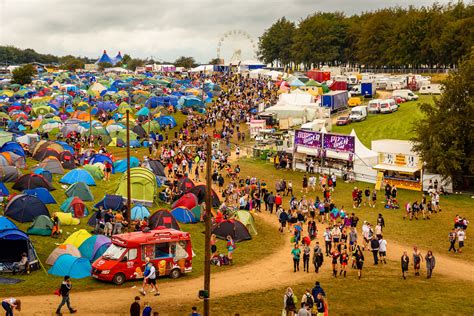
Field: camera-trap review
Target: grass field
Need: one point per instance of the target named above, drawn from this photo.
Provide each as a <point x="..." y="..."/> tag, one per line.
<point x="41" y="283"/>
<point x="397" y="125"/>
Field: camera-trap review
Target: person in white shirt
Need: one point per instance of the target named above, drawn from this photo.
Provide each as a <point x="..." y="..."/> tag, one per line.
<point x="382" y="250"/>
<point x="461" y="236"/>
<point x="312" y="183"/>
<point x="365" y="234"/>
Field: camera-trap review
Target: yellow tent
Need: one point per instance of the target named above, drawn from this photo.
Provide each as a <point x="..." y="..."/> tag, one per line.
<point x="97" y="88"/>
<point x="77" y="238"/>
<point x="66" y="219"/>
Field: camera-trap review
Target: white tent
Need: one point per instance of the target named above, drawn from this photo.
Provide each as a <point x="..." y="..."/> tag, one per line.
<point x="364" y="160"/>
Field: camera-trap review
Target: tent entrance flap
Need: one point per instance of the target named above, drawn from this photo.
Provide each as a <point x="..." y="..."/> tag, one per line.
<point x="11" y="250"/>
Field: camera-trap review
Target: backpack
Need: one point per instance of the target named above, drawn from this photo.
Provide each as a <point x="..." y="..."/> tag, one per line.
<point x="289" y="301"/>
<point x="309" y="301"/>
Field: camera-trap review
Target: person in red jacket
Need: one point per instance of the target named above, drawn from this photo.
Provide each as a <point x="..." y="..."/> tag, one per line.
<point x="278" y="200"/>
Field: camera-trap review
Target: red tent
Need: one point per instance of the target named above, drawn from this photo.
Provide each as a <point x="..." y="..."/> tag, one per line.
<point x="188" y="200"/>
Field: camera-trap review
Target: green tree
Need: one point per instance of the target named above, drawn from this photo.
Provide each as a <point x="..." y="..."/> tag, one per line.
<point x="104" y="65"/>
<point x="72" y="64"/>
<point x="22" y="75"/>
<point x="445" y="137"/>
<point x="134" y="63"/>
<point x="186" y="62"/>
<point x="215" y="61"/>
<point x="275" y="43"/>
<point x="126" y="59"/>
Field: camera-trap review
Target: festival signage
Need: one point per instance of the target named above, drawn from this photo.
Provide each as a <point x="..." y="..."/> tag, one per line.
<point x="308" y="139"/>
<point x="343" y="143"/>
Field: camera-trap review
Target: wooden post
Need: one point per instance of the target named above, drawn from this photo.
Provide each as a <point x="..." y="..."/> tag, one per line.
<point x="207" y="221"/>
<point x="129" y="193"/>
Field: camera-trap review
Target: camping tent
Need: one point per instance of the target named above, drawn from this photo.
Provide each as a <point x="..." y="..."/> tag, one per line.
<point x="110" y="201"/>
<point x="52" y="164"/>
<point x="247" y="219"/>
<point x="96" y="170"/>
<point x="143" y="186"/>
<point x="75" y="206"/>
<point x="75" y="267"/>
<point x="188" y="200"/>
<point x="42" y="194"/>
<point x="233" y="228"/>
<point x="61" y="250"/>
<point x="197" y="212"/>
<point x="78" y="175"/>
<point x="200" y="192"/>
<point x="9" y="173"/>
<point x="121" y="165"/>
<point x="42" y="225"/>
<point x="163" y="218"/>
<point x="13" y="147"/>
<point x="140" y="212"/>
<point x="48" y="176"/>
<point x="5" y="223"/>
<point x="3" y="190"/>
<point x="93" y="247"/>
<point x="157" y="167"/>
<point x="183" y="215"/>
<point x="13" y="243"/>
<point x="76" y="239"/>
<point x="66" y="219"/>
<point x="81" y="190"/>
<point x="32" y="181"/>
<point x="25" y="208"/>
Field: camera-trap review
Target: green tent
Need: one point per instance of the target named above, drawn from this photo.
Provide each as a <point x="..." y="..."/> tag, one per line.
<point x="247" y="219"/>
<point x="143" y="186"/>
<point x="197" y="210"/>
<point x="42" y="225"/>
<point x="95" y="171"/>
<point x="81" y="190"/>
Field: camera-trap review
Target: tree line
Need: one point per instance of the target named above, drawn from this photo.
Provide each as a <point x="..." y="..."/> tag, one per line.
<point x="435" y="36"/>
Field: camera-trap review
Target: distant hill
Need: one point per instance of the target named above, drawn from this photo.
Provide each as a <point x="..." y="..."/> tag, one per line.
<point x="12" y="56"/>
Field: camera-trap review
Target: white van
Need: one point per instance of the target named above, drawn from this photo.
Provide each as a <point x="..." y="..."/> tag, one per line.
<point x="432" y="88"/>
<point x="374" y="106"/>
<point x="406" y="94"/>
<point x="358" y="113"/>
<point x="388" y="106"/>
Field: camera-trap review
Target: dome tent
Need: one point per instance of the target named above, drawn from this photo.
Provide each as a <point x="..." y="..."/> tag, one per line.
<point x="75" y="206"/>
<point x="163" y="218"/>
<point x="93" y="247"/>
<point x="25" y="208"/>
<point x="121" y="165"/>
<point x="66" y="219"/>
<point x="75" y="267"/>
<point x="52" y="164"/>
<point x="233" y="228"/>
<point x="32" y="181"/>
<point x="76" y="239"/>
<point x="61" y="250"/>
<point x="81" y="190"/>
<point x="9" y="173"/>
<point x="110" y="201"/>
<point x="183" y="215"/>
<point x="188" y="200"/>
<point x="143" y="186"/>
<point x="247" y="219"/>
<point x="3" y="190"/>
<point x="13" y="243"/>
<point x="77" y="175"/>
<point x="42" y="194"/>
<point x="42" y="226"/>
<point x="139" y="212"/>
<point x="48" y="176"/>
<point x="5" y="223"/>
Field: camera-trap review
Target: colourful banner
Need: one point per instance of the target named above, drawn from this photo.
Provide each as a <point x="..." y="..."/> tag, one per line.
<point x="308" y="139"/>
<point x="344" y="143"/>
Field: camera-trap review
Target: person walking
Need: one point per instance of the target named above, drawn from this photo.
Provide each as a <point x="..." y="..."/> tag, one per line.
<point x="430" y="264"/>
<point x="382" y="250"/>
<point x="359" y="256"/>
<point x="289" y="302"/>
<point x="327" y="241"/>
<point x="452" y="240"/>
<point x="135" y="307"/>
<point x="147" y="310"/>
<point x="335" y="255"/>
<point x="318" y="257"/>
<point x="230" y="249"/>
<point x="416" y="260"/>
<point x="307" y="299"/>
<point x="405" y="260"/>
<point x="344" y="259"/>
<point x="10" y="304"/>
<point x="306" y="257"/>
<point x="461" y="236"/>
<point x="319" y="304"/>
<point x="64" y="291"/>
<point x="296" y="252"/>
<point x="374" y="246"/>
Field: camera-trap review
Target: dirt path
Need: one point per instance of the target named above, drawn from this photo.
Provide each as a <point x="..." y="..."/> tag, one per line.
<point x="273" y="271"/>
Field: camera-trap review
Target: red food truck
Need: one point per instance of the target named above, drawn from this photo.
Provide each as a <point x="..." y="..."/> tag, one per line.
<point x="170" y="251"/>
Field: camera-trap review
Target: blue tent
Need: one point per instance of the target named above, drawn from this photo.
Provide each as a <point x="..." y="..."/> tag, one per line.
<point x="183" y="215"/>
<point x="25" y="208"/>
<point x="14" y="147"/>
<point x="140" y="212"/>
<point x="94" y="247"/>
<point x="5" y="223"/>
<point x="3" y="190"/>
<point x="13" y="243"/>
<point x="143" y="112"/>
<point x="102" y="159"/>
<point x="114" y="202"/>
<point x="166" y="120"/>
<point x="75" y="267"/>
<point x="77" y="175"/>
<point x="66" y="146"/>
<point x="121" y="165"/>
<point x="108" y="106"/>
<point x="190" y="101"/>
<point x="42" y="194"/>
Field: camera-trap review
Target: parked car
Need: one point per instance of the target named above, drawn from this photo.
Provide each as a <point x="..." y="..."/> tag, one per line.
<point x="399" y="100"/>
<point x="354" y="101"/>
<point x="374" y="106"/>
<point x="343" y="120"/>
<point x="388" y="106"/>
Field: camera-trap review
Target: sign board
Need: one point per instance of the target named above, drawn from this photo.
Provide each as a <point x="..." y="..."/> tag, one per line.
<point x="308" y="139"/>
<point x="344" y="143"/>
<point x="399" y="160"/>
<point x="256" y="126"/>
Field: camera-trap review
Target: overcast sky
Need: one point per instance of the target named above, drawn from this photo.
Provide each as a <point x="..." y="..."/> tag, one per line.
<point x="164" y="29"/>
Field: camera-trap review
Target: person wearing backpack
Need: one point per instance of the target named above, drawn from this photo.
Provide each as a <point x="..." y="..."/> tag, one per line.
<point x="307" y="299"/>
<point x="289" y="303"/>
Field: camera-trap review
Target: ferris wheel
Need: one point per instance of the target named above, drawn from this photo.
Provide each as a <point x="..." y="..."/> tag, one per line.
<point x="239" y="41"/>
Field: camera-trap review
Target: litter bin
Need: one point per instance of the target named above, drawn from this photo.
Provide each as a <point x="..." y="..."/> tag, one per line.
<point x="264" y="154"/>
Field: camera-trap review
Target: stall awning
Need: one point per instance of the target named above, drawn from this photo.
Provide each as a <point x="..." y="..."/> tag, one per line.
<point x="307" y="151"/>
<point x="403" y="169"/>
